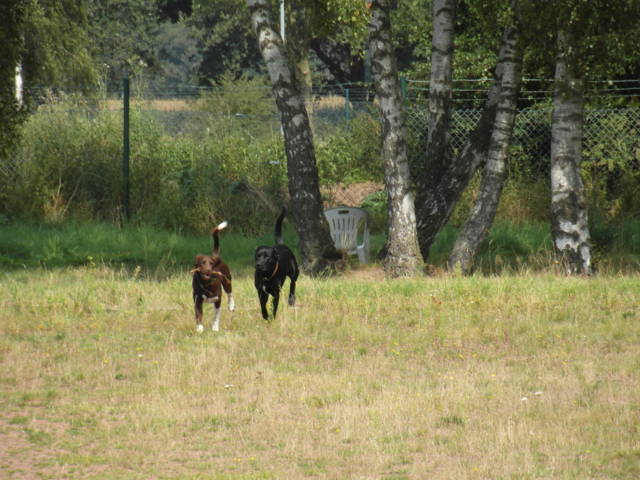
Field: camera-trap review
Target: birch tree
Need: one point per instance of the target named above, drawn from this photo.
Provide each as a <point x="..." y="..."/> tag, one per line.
<point x="12" y="13"/>
<point x="476" y="228"/>
<point x="403" y="255"/>
<point x="445" y="177"/>
<point x="299" y="33"/>
<point x="440" y="88"/>
<point x="569" y="218"/>
<point x="316" y="246"/>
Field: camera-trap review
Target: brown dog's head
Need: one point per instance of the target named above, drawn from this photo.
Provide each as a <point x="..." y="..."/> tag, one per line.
<point x="204" y="266"/>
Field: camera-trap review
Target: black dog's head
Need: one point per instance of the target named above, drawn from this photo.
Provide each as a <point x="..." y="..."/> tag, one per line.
<point x="266" y="259"/>
<point x="204" y="266"/>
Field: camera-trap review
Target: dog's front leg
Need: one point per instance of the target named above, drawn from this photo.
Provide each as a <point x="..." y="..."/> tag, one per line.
<point x="215" y="326"/>
<point x="263" y="296"/>
<point x="292" y="292"/>
<point x="232" y="303"/>
<point x="226" y="284"/>
<point x="276" y="300"/>
<point x="197" y="301"/>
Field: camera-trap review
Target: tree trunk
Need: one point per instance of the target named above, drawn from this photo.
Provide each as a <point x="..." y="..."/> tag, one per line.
<point x="12" y="14"/>
<point x="569" y="222"/>
<point x="19" y="85"/>
<point x="316" y="246"/>
<point x="298" y="49"/>
<point x="438" y="153"/>
<point x="403" y="256"/>
<point x="445" y="178"/>
<point x="477" y="227"/>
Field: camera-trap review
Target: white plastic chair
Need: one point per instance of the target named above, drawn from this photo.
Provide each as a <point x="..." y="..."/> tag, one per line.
<point x="345" y="223"/>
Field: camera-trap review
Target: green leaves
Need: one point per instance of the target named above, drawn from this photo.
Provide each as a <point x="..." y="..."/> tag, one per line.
<point x="56" y="52"/>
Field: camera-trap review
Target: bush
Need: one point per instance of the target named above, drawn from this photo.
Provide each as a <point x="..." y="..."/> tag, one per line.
<point x="221" y="156"/>
<point x="68" y="165"/>
<point x="376" y="204"/>
<point x="238" y="96"/>
<point x="351" y="155"/>
<point x="70" y="168"/>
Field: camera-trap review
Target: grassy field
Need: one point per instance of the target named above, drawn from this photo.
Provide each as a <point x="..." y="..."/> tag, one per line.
<point x="102" y="375"/>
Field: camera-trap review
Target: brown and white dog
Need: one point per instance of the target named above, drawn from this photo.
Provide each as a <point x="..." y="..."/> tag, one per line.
<point x="210" y="276"/>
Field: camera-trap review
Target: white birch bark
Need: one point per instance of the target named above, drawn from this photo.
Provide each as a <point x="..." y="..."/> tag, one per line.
<point x="403" y="255"/>
<point x="441" y="186"/>
<point x="569" y="219"/>
<point x="440" y="87"/>
<point x="316" y="246"/>
<point x="19" y="85"/>
<point x="476" y="228"/>
<point x="431" y="201"/>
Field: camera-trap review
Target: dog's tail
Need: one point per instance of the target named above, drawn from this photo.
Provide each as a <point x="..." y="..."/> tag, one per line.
<point x="216" y="240"/>
<point x="279" y="239"/>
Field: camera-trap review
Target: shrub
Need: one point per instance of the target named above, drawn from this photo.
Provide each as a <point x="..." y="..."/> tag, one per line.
<point x="351" y="155"/>
<point x="238" y="96"/>
<point x="221" y="156"/>
<point x="67" y="165"/>
<point x="70" y="167"/>
<point x="376" y="204"/>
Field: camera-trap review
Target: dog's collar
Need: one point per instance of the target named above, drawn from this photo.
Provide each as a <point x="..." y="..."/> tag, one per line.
<point x="275" y="270"/>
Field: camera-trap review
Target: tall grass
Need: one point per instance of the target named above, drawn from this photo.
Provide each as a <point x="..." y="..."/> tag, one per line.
<point x="222" y="155"/>
<point x="69" y="167"/>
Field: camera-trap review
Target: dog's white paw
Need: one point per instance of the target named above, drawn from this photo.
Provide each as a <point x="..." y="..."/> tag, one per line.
<point x="200" y="328"/>
<point x="232" y="304"/>
<point x="215" y="327"/>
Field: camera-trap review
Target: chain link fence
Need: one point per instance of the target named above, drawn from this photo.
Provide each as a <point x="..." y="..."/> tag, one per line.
<point x="611" y="136"/>
<point x="346" y="129"/>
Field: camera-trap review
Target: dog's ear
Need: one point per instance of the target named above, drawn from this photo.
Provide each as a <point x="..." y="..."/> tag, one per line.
<point x="197" y="261"/>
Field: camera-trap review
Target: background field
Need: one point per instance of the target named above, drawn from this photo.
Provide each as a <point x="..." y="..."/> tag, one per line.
<point x="523" y="375"/>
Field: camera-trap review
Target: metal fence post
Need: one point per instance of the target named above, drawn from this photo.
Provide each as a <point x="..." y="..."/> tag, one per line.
<point x="125" y="148"/>
<point x="346" y="105"/>
<point x="403" y="87"/>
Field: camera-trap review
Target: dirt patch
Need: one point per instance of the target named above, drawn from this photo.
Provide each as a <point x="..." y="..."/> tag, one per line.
<point x="350" y="195"/>
<point x="21" y="457"/>
<point x="29" y="448"/>
<point x="368" y="273"/>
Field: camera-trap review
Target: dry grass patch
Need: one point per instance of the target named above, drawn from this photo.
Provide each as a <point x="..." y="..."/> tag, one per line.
<point x="164" y="105"/>
<point x="495" y="377"/>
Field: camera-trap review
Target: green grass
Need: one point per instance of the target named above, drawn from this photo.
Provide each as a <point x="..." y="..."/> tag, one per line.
<point x="509" y="248"/>
<point x="155" y="251"/>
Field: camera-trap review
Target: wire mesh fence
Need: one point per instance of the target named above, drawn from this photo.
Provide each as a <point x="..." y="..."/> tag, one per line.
<point x="346" y="127"/>
<point x="611" y="136"/>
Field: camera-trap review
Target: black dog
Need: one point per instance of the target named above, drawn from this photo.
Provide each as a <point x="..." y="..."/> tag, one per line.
<point x="273" y="266"/>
